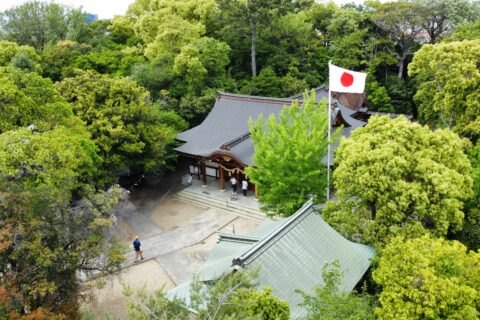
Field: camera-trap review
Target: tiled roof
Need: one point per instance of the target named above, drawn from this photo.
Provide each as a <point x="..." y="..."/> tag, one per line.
<point x="228" y="121"/>
<point x="290" y="255"/>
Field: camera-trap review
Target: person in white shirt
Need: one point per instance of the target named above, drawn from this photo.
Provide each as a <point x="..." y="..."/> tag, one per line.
<point x="233" y="181"/>
<point x="244" y="187"/>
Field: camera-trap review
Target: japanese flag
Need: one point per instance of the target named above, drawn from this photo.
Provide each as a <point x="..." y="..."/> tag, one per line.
<point x="343" y="80"/>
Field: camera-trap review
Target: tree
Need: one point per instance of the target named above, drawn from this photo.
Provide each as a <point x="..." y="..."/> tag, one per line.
<point x="440" y="17"/>
<point x="394" y="177"/>
<point x="248" y="18"/>
<point x="64" y="159"/>
<point x="37" y="23"/>
<point x="330" y="303"/>
<point x="21" y="57"/>
<point x="52" y="222"/>
<point x="130" y="132"/>
<point x="232" y="296"/>
<point x="466" y="31"/>
<point x="448" y="95"/>
<point x="165" y="26"/>
<point x="428" y="278"/>
<point x="59" y="59"/>
<point x="470" y="234"/>
<point x="402" y="21"/>
<point x="347" y="34"/>
<point x="288" y="167"/>
<point x="28" y="99"/>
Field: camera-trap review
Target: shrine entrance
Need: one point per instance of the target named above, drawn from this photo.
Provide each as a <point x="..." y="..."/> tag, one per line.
<point x="222" y="167"/>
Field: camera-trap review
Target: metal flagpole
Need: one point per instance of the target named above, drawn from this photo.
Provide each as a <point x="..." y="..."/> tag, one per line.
<point x="329" y="133"/>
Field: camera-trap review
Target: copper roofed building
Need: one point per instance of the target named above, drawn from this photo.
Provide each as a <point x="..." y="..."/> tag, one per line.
<point x="220" y="146"/>
<point x="289" y="255"/>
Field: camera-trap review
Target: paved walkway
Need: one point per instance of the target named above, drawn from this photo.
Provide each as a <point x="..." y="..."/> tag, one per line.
<point x="195" y="231"/>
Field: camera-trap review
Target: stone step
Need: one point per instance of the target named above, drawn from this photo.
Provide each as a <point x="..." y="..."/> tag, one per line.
<point x="243" y="211"/>
<point x="239" y="212"/>
<point x="221" y="204"/>
<point x="227" y="203"/>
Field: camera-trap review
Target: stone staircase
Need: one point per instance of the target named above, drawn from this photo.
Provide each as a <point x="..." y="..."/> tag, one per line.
<point x="234" y="207"/>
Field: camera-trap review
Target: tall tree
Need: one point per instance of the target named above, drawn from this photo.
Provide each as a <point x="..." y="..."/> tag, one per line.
<point x="288" y="167"/>
<point x="394" y="177"/>
<point x="440" y="17"/>
<point x="428" y="278"/>
<point x="402" y="22"/>
<point x="255" y="14"/>
<point x="448" y="94"/>
<point x="37" y="23"/>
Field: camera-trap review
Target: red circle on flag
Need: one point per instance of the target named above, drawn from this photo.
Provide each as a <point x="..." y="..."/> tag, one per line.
<point x="346" y="79"/>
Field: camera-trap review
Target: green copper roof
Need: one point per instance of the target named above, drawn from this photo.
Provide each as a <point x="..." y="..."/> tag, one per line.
<point x="290" y="255"/>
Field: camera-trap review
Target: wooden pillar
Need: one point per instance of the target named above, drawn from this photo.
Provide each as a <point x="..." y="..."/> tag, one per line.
<point x="256" y="191"/>
<point x="222" y="179"/>
<point x="204" y="172"/>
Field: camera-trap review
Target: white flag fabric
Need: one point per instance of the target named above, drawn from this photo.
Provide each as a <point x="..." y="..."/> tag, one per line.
<point x="343" y="80"/>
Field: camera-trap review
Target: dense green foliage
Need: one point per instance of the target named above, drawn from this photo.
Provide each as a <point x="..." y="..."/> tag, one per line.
<point x="330" y="303"/>
<point x="288" y="168"/>
<point x="428" y="278"/>
<point x="37" y="23"/>
<point x="449" y="93"/>
<point x="395" y="177"/>
<point x="130" y="132"/>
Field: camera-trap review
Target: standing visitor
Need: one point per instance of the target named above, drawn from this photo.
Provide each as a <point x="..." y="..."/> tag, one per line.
<point x="244" y="187"/>
<point x="138" y="251"/>
<point x="233" y="181"/>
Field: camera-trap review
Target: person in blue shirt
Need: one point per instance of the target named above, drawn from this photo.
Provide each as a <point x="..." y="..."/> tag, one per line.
<point x="138" y="251"/>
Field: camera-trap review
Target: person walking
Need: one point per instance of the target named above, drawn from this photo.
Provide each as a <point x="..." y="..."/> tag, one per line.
<point x="136" y="246"/>
<point x="244" y="187"/>
<point x="233" y="181"/>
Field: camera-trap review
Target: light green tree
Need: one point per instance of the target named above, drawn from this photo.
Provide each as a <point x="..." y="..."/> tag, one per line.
<point x="395" y="177"/>
<point x="427" y="278"/>
<point x="448" y="95"/>
<point x="289" y="149"/>
<point x="330" y="303"/>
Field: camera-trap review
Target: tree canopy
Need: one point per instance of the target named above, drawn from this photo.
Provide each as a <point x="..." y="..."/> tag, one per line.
<point x="448" y="95"/>
<point x="130" y="132"/>
<point x="37" y="23"/>
<point x="428" y="278"/>
<point x="396" y="177"/>
<point x="288" y="167"/>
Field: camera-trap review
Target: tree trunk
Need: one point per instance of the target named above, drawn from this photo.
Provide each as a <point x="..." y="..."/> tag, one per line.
<point x="253" y="24"/>
<point x="401" y="65"/>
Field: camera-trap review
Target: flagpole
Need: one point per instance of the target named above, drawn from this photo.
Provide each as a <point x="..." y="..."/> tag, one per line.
<point x="329" y="133"/>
